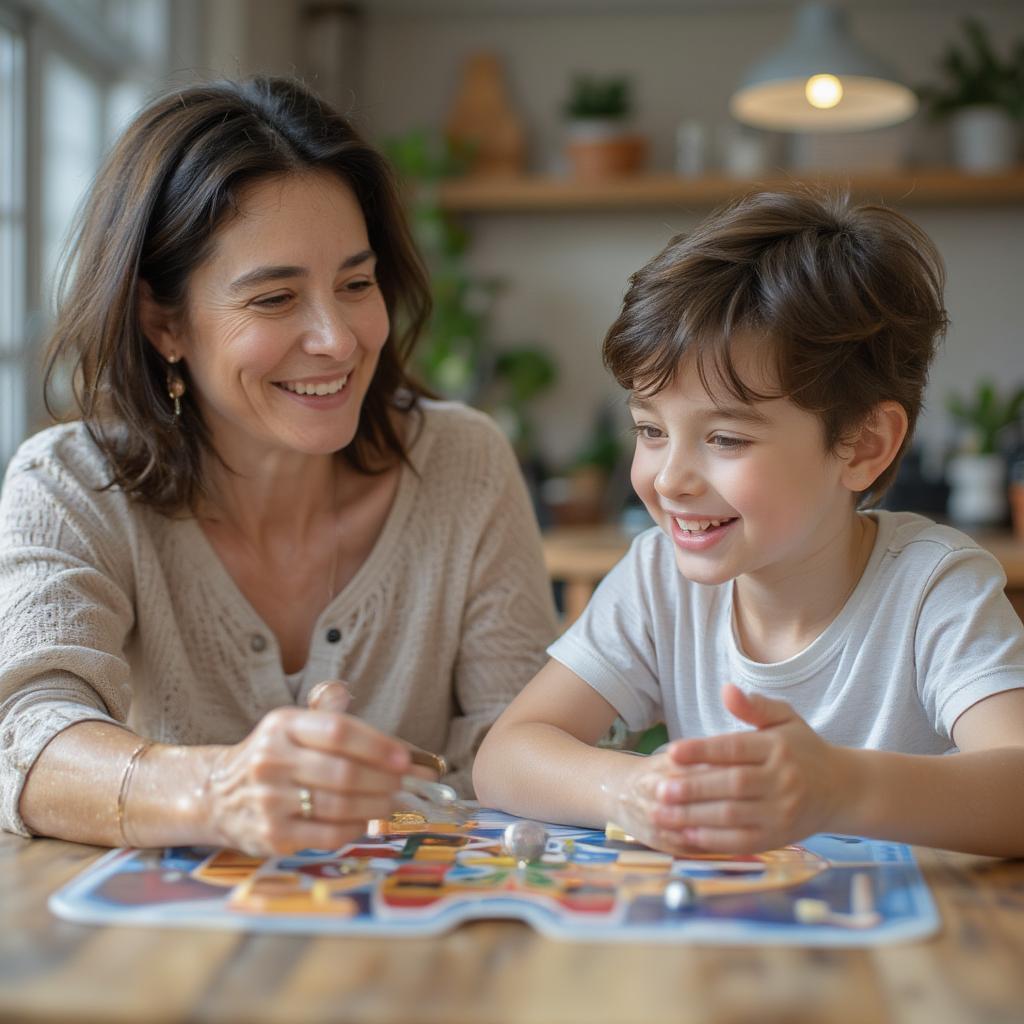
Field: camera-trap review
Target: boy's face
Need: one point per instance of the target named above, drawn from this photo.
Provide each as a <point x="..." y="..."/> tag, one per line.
<point x="741" y="489"/>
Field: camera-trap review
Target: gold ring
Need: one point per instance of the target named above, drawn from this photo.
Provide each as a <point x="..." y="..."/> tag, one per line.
<point x="305" y="802"/>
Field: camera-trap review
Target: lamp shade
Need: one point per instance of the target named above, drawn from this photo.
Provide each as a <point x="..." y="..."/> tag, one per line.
<point x="821" y="80"/>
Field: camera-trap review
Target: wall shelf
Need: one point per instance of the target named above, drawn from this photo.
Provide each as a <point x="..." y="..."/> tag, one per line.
<point x="938" y="187"/>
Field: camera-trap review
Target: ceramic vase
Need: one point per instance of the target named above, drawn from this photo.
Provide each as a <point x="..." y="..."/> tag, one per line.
<point x="985" y="139"/>
<point x="977" y="489"/>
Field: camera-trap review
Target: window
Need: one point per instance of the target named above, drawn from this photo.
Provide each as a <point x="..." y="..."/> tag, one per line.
<point x="71" y="74"/>
<point x="13" y="257"/>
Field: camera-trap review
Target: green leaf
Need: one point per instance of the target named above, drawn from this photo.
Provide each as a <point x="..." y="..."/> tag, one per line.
<point x="974" y="73"/>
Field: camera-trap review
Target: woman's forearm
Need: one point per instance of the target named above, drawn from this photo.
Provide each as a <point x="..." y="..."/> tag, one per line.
<point x="73" y="790"/>
<point x="971" y="802"/>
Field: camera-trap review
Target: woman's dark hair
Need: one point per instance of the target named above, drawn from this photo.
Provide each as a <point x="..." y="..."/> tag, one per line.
<point x="846" y="299"/>
<point x="172" y="179"/>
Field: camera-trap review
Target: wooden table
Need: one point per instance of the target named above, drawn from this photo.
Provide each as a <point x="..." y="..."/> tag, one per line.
<point x="579" y="556"/>
<point x="53" y="971"/>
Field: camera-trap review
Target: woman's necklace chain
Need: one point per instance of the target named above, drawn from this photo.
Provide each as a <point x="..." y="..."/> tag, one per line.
<point x="334" y="542"/>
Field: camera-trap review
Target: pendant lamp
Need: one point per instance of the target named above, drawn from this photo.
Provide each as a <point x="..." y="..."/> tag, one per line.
<point x="821" y="80"/>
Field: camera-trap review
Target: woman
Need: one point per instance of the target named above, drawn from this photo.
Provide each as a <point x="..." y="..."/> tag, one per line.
<point x="256" y="499"/>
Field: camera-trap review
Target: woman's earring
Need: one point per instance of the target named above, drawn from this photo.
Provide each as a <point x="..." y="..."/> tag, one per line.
<point x="175" y="387"/>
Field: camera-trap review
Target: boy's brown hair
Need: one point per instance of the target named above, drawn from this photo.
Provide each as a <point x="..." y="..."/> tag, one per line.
<point x="848" y="297"/>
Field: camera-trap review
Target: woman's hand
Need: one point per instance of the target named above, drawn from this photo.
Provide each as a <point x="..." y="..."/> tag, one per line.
<point x="334" y="695"/>
<point x="256" y="795"/>
<point x="739" y="792"/>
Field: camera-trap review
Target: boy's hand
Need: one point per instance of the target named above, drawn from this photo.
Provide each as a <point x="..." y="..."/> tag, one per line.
<point x="744" y="792"/>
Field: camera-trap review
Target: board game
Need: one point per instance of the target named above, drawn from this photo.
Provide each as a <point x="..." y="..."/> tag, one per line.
<point x="410" y="876"/>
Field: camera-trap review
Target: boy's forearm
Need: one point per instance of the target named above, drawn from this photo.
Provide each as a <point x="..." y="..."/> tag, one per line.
<point x="970" y="802"/>
<point x="539" y="771"/>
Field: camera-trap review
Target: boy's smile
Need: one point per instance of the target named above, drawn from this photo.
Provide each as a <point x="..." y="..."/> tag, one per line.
<point x="698" y="534"/>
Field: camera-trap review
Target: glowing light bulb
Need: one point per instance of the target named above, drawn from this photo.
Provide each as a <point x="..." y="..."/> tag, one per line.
<point x="823" y="91"/>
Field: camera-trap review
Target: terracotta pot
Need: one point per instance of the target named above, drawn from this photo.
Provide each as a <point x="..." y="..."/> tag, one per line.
<point x="1017" y="508"/>
<point x="594" y="152"/>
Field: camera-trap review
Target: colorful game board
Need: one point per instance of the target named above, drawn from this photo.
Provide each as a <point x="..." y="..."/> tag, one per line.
<point x="411" y="877"/>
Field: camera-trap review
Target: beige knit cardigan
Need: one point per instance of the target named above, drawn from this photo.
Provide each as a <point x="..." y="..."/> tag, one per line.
<point x="114" y="612"/>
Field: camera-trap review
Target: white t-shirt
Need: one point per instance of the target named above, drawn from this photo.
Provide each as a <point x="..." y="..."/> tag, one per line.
<point x="927" y="632"/>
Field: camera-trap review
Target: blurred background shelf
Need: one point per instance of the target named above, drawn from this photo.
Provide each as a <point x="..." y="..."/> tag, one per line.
<point x="579" y="557"/>
<point x="940" y="187"/>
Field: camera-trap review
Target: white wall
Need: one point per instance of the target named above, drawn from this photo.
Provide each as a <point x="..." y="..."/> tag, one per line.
<point x="567" y="272"/>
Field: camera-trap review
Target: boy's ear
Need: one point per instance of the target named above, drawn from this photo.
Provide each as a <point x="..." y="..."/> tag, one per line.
<point x="875" y="446"/>
<point x="158" y="324"/>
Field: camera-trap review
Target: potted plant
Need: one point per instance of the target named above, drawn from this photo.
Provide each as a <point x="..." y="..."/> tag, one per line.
<point x="982" y="96"/>
<point x="520" y="375"/>
<point x="591" y="471"/>
<point x="453" y="355"/>
<point x="457" y="358"/>
<point x="977" y="476"/>
<point x="600" y="143"/>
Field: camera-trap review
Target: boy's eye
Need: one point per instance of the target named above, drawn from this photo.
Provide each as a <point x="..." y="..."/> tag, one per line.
<point x="647" y="432"/>
<point x="726" y="443"/>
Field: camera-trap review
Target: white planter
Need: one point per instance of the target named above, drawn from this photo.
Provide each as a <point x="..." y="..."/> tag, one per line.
<point x="977" y="489"/>
<point x="984" y="139"/>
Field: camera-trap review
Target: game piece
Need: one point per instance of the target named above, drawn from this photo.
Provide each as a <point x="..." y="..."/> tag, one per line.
<point x="525" y="841"/>
<point x="403" y="818"/>
<point x="645" y="860"/>
<point x="809" y="911"/>
<point x="862" y="907"/>
<point x="680" y="894"/>
<point x="433" y="799"/>
<point x="618" y="834"/>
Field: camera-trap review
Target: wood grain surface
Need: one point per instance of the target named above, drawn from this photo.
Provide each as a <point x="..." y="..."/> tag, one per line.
<point x="501" y="971"/>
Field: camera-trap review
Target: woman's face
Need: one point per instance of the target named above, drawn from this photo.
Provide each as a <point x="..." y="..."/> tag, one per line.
<point x="285" y="321"/>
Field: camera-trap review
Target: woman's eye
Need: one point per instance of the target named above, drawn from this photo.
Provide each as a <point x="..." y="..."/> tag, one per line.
<point x="363" y="284"/>
<point x="272" y="301"/>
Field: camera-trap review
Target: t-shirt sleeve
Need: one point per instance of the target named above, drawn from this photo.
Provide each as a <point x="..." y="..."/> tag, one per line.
<point x="66" y="610"/>
<point x="970" y="642"/>
<point x="509" y="616"/>
<point x="611" y="645"/>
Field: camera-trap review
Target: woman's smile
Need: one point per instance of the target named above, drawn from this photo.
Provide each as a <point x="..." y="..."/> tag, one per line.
<point x="322" y="393"/>
<point x="318" y="386"/>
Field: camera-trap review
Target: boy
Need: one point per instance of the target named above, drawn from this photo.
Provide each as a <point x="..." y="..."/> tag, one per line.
<point x="775" y="361"/>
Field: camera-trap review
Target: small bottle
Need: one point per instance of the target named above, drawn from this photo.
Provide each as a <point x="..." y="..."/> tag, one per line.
<point x="691" y="149"/>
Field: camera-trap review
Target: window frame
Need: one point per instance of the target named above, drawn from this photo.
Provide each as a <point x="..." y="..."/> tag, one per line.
<point x="15" y="350"/>
<point x="85" y="36"/>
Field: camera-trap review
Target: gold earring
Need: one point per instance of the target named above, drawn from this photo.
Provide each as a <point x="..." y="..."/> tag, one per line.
<point x="175" y="386"/>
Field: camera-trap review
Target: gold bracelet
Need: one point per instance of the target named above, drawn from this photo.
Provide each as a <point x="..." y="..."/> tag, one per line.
<point x="126" y="781"/>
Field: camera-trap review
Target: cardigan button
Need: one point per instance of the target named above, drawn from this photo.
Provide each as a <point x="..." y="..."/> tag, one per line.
<point x="333" y="635"/>
<point x="258" y="643"/>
